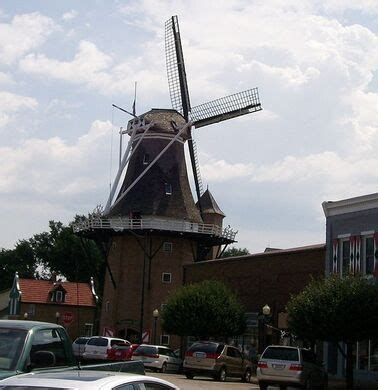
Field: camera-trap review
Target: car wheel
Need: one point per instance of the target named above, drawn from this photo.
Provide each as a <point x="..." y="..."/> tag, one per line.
<point x="163" y="368"/>
<point x="189" y="375"/>
<point x="263" y="386"/>
<point x="247" y="376"/>
<point x="222" y="375"/>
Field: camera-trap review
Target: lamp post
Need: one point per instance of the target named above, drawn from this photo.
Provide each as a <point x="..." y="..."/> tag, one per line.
<point x="26" y="315"/>
<point x="264" y="319"/>
<point x="57" y="316"/>
<point x="155" y="314"/>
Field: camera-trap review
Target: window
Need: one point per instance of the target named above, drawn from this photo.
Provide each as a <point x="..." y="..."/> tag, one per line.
<point x="48" y="341"/>
<point x="166" y="277"/>
<point x="146" y="159"/>
<point x="164" y="339"/>
<point x="168" y="189"/>
<point x="167" y="247"/>
<point x="57" y="296"/>
<point x="14" y="306"/>
<point x="368" y="255"/>
<point x="345" y="257"/>
<point x="88" y="329"/>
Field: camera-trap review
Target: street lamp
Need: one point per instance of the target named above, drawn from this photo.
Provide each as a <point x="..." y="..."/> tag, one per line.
<point x="264" y="319"/>
<point x="26" y="315"/>
<point x="155" y="314"/>
<point x="57" y="316"/>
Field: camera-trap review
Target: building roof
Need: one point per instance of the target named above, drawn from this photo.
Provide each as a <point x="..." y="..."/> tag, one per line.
<point x="38" y="291"/>
<point x="358" y="203"/>
<point x="209" y="205"/>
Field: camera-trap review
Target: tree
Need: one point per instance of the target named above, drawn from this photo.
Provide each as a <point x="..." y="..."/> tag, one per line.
<point x="234" y="251"/>
<point x="336" y="310"/>
<point x="206" y="309"/>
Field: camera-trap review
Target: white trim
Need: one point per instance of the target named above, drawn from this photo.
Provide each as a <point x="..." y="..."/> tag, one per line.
<point x="359" y="203"/>
<point x="341" y="236"/>
<point x="367" y="233"/>
<point x="166" y="274"/>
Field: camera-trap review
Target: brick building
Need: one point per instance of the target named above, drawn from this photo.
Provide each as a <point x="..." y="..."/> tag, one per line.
<point x="72" y="305"/>
<point x="263" y="278"/>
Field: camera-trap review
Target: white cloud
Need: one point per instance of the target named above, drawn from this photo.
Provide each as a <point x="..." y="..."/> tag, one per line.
<point x="70" y="15"/>
<point x="51" y="168"/>
<point x="24" y="33"/>
<point x="11" y="103"/>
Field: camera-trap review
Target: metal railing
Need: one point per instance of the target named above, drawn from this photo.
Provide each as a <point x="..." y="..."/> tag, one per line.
<point x="122" y="223"/>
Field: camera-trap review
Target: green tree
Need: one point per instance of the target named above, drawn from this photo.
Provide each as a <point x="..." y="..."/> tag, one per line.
<point x="206" y="309"/>
<point x="234" y="251"/>
<point x="336" y="310"/>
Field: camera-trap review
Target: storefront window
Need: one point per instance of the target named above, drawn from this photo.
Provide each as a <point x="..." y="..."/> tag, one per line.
<point x="345" y="257"/>
<point x="369" y="255"/>
<point x="374" y="355"/>
<point x="363" y="355"/>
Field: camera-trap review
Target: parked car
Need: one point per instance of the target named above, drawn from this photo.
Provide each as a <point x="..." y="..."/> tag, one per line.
<point x="290" y="366"/>
<point x="85" y="380"/>
<point x="217" y="360"/>
<point x="97" y="347"/>
<point x="122" y="351"/>
<point x="78" y="346"/>
<point x="157" y="358"/>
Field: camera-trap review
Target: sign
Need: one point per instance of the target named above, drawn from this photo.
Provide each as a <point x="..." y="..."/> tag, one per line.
<point x="146" y="336"/>
<point x="108" y="332"/>
<point x="67" y="318"/>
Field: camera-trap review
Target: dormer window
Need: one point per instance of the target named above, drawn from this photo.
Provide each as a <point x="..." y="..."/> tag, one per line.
<point x="146" y="159"/>
<point x="58" y="296"/>
<point x="168" y="189"/>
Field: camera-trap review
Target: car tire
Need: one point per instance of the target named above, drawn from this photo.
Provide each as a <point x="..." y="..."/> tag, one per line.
<point x="222" y="376"/>
<point x="263" y="386"/>
<point x="189" y="375"/>
<point x="163" y="368"/>
<point x="247" y="376"/>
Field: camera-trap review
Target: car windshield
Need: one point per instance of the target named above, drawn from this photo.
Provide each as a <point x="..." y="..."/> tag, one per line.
<point x="206" y="347"/>
<point x="281" y="354"/>
<point x="11" y="344"/>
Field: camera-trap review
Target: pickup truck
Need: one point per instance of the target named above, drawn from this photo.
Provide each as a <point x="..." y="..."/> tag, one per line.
<point x="30" y="345"/>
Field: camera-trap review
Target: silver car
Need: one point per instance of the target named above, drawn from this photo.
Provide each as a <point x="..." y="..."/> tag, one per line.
<point x="157" y="358"/>
<point x="290" y="366"/>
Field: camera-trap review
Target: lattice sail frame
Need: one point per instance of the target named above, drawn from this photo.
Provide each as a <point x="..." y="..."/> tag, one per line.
<point x="177" y="82"/>
<point x="227" y="107"/>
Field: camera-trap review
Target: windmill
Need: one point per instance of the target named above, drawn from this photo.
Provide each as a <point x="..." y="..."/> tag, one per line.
<point x="218" y="110"/>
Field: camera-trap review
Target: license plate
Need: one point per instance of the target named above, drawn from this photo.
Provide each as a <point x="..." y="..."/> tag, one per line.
<point x="278" y="366"/>
<point x="199" y="355"/>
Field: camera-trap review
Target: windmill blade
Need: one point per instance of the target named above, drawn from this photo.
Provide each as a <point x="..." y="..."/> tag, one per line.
<point x="227" y="107"/>
<point x="178" y="87"/>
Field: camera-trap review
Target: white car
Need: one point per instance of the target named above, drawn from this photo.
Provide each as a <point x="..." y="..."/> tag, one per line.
<point x="78" y="346"/>
<point x="157" y="358"/>
<point x="84" y="380"/>
<point x="97" y="347"/>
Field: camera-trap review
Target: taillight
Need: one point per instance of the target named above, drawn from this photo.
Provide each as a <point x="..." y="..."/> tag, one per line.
<point x="262" y="365"/>
<point x="212" y="355"/>
<point x="296" y="367"/>
<point x="188" y="353"/>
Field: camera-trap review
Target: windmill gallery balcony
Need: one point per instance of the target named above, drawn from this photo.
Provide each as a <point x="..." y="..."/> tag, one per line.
<point x="122" y="224"/>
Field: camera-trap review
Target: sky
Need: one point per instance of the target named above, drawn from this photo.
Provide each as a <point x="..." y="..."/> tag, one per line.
<point x="63" y="64"/>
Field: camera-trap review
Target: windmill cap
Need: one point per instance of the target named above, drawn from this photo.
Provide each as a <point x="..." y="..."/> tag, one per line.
<point x="209" y="205"/>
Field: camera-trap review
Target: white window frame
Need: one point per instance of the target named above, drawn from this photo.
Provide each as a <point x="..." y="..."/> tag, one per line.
<point x="59" y="296"/>
<point x="168" y="338"/>
<point x="88" y="326"/>
<point x="165" y="274"/>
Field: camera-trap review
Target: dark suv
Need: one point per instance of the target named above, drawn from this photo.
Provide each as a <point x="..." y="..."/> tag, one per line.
<point x="217" y="360"/>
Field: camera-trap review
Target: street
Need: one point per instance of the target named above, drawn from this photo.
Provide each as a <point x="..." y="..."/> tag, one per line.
<point x="202" y="383"/>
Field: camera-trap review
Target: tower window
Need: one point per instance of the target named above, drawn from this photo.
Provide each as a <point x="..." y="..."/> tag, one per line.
<point x="146" y="159"/>
<point x="168" y="189"/>
<point x="166" y="277"/>
<point x="167" y="247"/>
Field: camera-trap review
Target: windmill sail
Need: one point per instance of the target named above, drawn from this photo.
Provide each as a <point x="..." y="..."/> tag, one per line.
<point x="227" y="107"/>
<point x="178" y="86"/>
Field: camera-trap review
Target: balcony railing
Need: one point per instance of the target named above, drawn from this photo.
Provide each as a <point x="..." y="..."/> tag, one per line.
<point x="121" y="223"/>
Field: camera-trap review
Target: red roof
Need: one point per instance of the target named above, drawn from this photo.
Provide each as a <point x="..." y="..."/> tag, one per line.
<point x="38" y="291"/>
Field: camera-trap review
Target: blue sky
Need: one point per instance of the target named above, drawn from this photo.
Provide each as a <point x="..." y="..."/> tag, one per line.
<point x="62" y="65"/>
